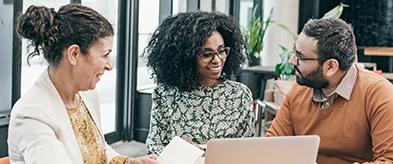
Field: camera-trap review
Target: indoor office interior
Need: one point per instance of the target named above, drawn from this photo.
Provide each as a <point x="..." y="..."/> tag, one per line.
<point x="125" y="92"/>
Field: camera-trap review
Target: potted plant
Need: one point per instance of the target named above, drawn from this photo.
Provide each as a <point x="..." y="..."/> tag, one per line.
<point x="254" y="37"/>
<point x="284" y="69"/>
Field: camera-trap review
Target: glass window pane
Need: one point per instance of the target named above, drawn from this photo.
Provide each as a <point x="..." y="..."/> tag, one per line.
<point x="38" y="63"/>
<point x="206" y="5"/>
<point x="6" y="32"/>
<point x="179" y="6"/>
<point x="245" y="14"/>
<point x="106" y="88"/>
<point x="222" y="6"/>
<point x="147" y="9"/>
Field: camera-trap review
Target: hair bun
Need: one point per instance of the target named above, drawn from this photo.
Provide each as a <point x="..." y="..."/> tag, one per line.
<point x="39" y="25"/>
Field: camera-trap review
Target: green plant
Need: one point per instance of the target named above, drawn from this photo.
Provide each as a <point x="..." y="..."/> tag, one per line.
<point x="336" y="11"/>
<point x="255" y="33"/>
<point x="284" y="69"/>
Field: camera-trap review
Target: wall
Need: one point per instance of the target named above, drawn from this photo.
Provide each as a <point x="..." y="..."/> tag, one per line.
<point x="286" y="12"/>
<point x="372" y="21"/>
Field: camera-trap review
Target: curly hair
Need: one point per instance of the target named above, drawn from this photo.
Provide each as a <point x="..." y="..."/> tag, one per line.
<point x="51" y="32"/>
<point x="174" y="45"/>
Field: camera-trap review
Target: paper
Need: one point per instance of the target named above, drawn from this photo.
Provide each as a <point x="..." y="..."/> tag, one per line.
<point x="179" y="151"/>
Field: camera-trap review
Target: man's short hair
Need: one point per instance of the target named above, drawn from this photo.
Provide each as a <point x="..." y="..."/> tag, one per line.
<point x="335" y="39"/>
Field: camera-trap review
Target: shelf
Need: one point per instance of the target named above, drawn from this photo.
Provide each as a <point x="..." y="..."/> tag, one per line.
<point x="378" y="51"/>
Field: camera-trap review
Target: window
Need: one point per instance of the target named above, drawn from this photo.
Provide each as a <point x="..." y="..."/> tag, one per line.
<point x="245" y="14"/>
<point x="206" y="5"/>
<point x="38" y="63"/>
<point x="148" y="22"/>
<point x="215" y="5"/>
<point x="106" y="88"/>
<point x="179" y="6"/>
<point x="222" y="6"/>
<point x="6" y="28"/>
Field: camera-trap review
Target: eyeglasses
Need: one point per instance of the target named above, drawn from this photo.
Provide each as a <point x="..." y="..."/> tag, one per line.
<point x="298" y="57"/>
<point x="208" y="56"/>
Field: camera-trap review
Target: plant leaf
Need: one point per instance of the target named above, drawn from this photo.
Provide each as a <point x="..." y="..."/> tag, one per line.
<point x="267" y="23"/>
<point x="254" y="12"/>
<point x="277" y="68"/>
<point x="283" y="48"/>
<point x="285" y="68"/>
<point x="336" y="11"/>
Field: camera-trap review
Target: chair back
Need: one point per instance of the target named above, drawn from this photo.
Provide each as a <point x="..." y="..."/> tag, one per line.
<point x="258" y="112"/>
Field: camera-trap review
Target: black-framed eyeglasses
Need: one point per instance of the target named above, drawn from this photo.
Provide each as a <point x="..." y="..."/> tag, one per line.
<point x="298" y="56"/>
<point x="208" y="56"/>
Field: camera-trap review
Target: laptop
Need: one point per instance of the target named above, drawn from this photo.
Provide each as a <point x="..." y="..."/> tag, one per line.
<point x="277" y="150"/>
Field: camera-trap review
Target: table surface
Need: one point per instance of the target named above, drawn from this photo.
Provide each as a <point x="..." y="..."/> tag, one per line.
<point x="260" y="69"/>
<point x="388" y="76"/>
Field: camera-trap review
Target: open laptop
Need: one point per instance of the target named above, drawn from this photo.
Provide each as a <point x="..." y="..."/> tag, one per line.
<point x="277" y="150"/>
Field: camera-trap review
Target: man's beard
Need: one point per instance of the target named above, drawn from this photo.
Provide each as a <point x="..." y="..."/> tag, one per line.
<point x="314" y="79"/>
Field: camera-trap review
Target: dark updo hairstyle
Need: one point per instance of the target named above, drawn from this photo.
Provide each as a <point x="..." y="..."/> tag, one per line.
<point x="175" y="43"/>
<point x="51" y="32"/>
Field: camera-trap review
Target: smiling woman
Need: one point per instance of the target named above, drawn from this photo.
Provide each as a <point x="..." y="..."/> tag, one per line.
<point x="211" y="60"/>
<point x="193" y="56"/>
<point x="57" y="120"/>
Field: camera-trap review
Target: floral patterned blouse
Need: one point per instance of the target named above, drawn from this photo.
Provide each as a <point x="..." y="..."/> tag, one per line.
<point x="221" y="111"/>
<point x="91" y="144"/>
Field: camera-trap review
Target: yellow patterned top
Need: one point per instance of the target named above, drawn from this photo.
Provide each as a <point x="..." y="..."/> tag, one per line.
<point x="91" y="143"/>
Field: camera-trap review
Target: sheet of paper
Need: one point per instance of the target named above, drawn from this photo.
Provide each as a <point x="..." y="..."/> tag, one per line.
<point x="179" y="151"/>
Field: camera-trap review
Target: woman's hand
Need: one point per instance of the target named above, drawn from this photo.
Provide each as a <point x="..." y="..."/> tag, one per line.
<point x="149" y="159"/>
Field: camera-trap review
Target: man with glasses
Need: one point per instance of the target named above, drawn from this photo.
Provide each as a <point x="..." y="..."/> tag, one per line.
<point x="350" y="108"/>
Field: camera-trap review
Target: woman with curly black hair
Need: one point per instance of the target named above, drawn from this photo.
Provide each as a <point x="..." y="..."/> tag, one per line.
<point x="193" y="56"/>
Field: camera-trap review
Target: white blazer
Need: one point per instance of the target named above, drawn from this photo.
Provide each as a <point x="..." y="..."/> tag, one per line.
<point x="40" y="130"/>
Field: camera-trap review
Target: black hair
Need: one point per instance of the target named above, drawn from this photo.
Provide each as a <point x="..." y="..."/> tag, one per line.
<point x="175" y="43"/>
<point x="335" y="39"/>
<point x="51" y="32"/>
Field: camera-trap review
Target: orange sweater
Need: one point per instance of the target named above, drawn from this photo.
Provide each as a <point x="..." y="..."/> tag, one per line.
<point x="358" y="130"/>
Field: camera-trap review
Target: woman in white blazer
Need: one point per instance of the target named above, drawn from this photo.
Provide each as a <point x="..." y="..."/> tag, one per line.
<point x="57" y="120"/>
